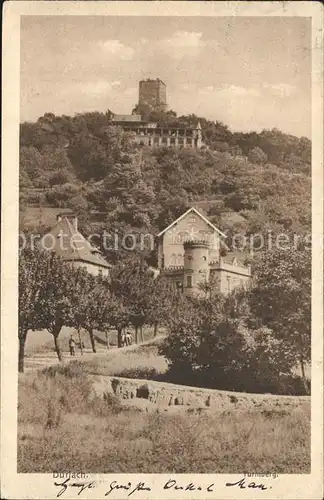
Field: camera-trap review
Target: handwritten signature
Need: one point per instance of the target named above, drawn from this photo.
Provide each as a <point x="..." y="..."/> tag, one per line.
<point x="130" y="488"/>
<point x="242" y="484"/>
<point x="82" y="486"/>
<point x="115" y="486"/>
<point x="64" y="485"/>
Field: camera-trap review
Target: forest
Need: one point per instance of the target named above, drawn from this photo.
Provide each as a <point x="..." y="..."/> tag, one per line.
<point x="243" y="182"/>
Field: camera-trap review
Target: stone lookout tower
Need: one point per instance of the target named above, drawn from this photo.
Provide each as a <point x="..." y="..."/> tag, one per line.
<point x="152" y="96"/>
<point x="196" y="266"/>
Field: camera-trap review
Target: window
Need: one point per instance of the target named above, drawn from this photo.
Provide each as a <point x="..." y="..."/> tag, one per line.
<point x="189" y="281"/>
<point x="192" y="219"/>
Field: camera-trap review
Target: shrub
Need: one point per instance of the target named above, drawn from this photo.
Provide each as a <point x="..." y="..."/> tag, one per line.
<point x="58" y="390"/>
<point x="60" y="177"/>
<point x="212" y="346"/>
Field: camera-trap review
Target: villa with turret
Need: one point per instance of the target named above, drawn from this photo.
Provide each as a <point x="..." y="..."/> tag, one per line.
<point x="189" y="254"/>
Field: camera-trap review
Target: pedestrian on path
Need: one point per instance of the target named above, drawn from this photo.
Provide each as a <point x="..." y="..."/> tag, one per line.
<point x="72" y="345"/>
<point x="129" y="338"/>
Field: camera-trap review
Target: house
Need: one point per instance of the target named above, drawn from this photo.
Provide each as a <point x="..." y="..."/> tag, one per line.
<point x="189" y="254"/>
<point x="190" y="226"/>
<point x="148" y="133"/>
<point x="67" y="242"/>
<point x="152" y="97"/>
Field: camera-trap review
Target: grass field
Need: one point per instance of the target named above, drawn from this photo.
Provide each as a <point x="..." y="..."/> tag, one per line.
<point x="63" y="426"/>
<point x="137" y="361"/>
<point x="41" y="341"/>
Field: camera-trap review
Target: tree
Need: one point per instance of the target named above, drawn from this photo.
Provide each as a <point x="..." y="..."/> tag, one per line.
<point x="281" y="300"/>
<point x="55" y="309"/>
<point x="115" y="314"/>
<point x="33" y="266"/>
<point x="24" y="180"/>
<point x="216" y="342"/>
<point x="79" y="297"/>
<point x="133" y="284"/>
<point x="90" y="157"/>
<point x="256" y="155"/>
<point x="163" y="297"/>
<point x="206" y="343"/>
<point x="56" y="159"/>
<point x="61" y="176"/>
<point x="31" y="166"/>
<point x="88" y="305"/>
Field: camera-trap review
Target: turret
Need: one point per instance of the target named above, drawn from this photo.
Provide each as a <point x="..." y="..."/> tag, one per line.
<point x="199" y="136"/>
<point x="196" y="266"/>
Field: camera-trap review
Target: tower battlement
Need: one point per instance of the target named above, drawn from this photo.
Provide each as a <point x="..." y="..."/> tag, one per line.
<point x="196" y="244"/>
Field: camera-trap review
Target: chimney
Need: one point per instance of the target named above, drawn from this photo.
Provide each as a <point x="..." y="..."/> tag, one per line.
<point x="75" y="223"/>
<point x="71" y="217"/>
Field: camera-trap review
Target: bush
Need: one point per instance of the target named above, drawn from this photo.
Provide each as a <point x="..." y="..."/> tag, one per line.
<point x="212" y="346"/>
<point x="59" y="195"/>
<point x="58" y="390"/>
<point x="60" y="177"/>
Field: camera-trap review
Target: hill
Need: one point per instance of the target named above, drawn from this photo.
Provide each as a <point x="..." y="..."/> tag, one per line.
<point x="245" y="183"/>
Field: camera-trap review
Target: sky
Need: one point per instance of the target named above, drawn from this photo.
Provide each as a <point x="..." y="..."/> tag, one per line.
<point x="250" y="73"/>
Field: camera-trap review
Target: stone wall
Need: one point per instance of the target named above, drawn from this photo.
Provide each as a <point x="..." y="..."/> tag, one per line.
<point x="166" y="396"/>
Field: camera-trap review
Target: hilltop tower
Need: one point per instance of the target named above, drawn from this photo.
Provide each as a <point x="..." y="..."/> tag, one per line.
<point x="151" y="96"/>
<point x="196" y="266"/>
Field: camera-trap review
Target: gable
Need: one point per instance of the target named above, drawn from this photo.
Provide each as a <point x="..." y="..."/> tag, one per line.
<point x="190" y="227"/>
<point x="191" y="217"/>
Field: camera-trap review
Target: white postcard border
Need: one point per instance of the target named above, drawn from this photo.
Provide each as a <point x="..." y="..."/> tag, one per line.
<point x="41" y="485"/>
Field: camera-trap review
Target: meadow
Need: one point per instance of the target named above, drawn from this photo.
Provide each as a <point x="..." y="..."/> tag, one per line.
<point x="136" y="361"/>
<point x="63" y="425"/>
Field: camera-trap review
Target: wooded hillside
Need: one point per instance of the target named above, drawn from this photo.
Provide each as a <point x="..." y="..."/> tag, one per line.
<point x="244" y="182"/>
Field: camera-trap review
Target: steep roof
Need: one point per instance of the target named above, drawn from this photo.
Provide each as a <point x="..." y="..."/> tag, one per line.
<point x="71" y="245"/>
<point x="192" y="209"/>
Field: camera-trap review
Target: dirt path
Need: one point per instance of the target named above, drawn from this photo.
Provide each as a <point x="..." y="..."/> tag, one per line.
<point x="37" y="361"/>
